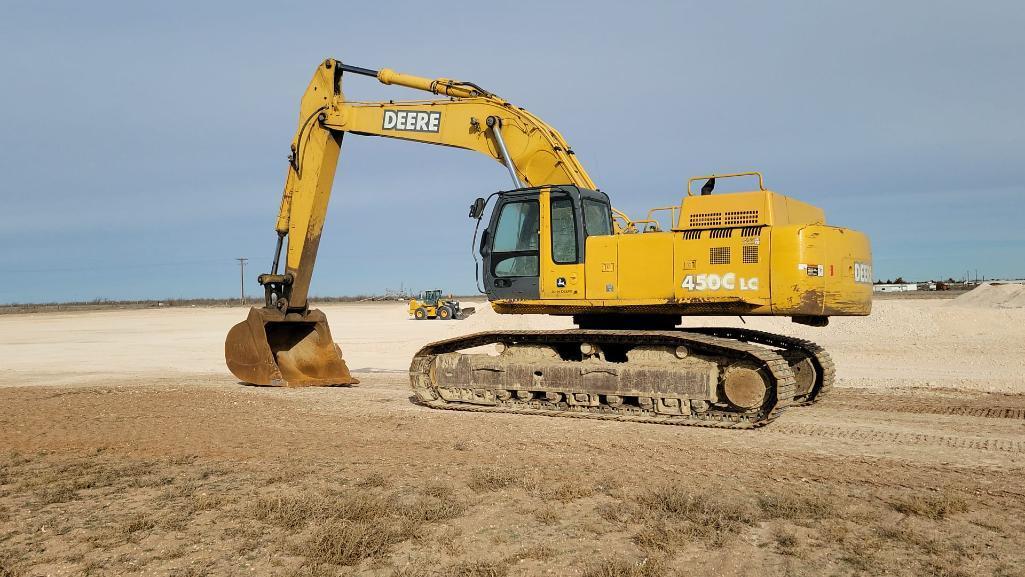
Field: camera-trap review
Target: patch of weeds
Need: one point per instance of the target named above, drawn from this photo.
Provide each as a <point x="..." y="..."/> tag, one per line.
<point x="860" y="555"/>
<point x="59" y="493"/>
<point x="10" y="564"/>
<point x="675" y="513"/>
<point x="205" y="502"/>
<point x="565" y="492"/>
<point x="174" y="521"/>
<point x="345" y="542"/>
<point x="374" y="480"/>
<point x="1005" y="569"/>
<point x="546" y="515"/>
<point x="461" y="446"/>
<point x="663" y="537"/>
<point x="128" y="529"/>
<point x="787" y="543"/>
<point x="345" y="526"/>
<point x="478" y="569"/>
<point x="291" y="512"/>
<point x="182" y="459"/>
<point x="941" y="568"/>
<point x="783" y="506"/>
<point x="621" y="567"/>
<point x="417" y="568"/>
<point x="491" y="479"/>
<point x="935" y="507"/>
<point x="430" y="509"/>
<point x="539" y="552"/>
<point x="612" y="512"/>
<point x="176" y="552"/>
<point x="608" y="485"/>
<point x="438" y="489"/>
<point x="181" y="489"/>
<point x="201" y="569"/>
<point x="450" y="541"/>
<point x="5" y="514"/>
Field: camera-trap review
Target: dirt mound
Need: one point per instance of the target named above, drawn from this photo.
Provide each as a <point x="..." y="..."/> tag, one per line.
<point x="994" y="296"/>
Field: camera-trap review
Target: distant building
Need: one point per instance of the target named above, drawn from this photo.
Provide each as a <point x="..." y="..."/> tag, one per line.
<point x="894" y="288"/>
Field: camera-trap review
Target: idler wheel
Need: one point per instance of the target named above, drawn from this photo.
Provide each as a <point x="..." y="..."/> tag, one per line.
<point x="744" y="386"/>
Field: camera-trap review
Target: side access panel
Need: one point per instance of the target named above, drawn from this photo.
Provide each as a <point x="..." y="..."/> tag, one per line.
<point x="646" y="266"/>
<point x="602" y="268"/>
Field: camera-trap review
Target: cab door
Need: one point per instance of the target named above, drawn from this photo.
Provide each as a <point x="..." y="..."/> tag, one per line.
<point x="510" y="247"/>
<point x="562" y="268"/>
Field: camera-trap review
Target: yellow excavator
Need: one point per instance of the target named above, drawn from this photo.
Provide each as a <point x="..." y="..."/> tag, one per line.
<point x="553" y="244"/>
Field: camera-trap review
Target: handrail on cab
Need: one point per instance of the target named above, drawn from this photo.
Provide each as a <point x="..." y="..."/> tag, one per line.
<point x="761" y="181"/>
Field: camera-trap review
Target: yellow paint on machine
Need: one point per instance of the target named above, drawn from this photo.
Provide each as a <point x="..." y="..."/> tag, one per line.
<point x="745" y="253"/>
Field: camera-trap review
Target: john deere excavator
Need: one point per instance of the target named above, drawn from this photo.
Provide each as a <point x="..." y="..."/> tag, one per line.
<point x="554" y="245"/>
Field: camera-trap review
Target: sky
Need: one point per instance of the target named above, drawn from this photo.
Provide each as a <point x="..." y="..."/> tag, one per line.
<point x="144" y="144"/>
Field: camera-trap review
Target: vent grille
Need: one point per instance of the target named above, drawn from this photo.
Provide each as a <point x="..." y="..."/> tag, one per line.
<point x="750" y="231"/>
<point x="705" y="219"/>
<point x="719" y="255"/>
<point x="720" y="233"/>
<point x="741" y="217"/>
<point x="750" y="254"/>
<point x="691" y="234"/>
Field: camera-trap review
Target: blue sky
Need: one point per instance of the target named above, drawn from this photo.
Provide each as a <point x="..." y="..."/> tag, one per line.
<point x="144" y="144"/>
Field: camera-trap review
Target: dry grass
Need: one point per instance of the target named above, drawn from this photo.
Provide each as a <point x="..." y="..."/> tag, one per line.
<point x="373" y="480"/>
<point x="786" y="542"/>
<point x="342" y="521"/>
<point x="673" y="515"/>
<point x="786" y="506"/>
<point x="478" y="569"/>
<point x="10" y="565"/>
<point x="539" y="552"/>
<point x="345" y="542"/>
<point x="345" y="527"/>
<point x="491" y="479"/>
<point x="546" y="515"/>
<point x="936" y="507"/>
<point x="620" y="567"/>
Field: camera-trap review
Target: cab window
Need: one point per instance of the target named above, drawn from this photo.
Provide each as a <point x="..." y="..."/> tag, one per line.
<point x="564" y="231"/>
<point x="515" y="249"/>
<point x="597" y="218"/>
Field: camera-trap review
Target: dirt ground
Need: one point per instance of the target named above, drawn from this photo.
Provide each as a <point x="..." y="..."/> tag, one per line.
<point x="126" y="448"/>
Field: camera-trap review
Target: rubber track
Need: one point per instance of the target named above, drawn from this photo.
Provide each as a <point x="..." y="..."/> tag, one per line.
<point x="901" y="438"/>
<point x="824" y="363"/>
<point x="420" y="377"/>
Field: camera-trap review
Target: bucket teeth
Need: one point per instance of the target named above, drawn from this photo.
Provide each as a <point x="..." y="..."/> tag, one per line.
<point x="269" y="348"/>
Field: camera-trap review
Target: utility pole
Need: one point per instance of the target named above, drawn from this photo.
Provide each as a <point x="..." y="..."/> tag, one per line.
<point x="242" y="269"/>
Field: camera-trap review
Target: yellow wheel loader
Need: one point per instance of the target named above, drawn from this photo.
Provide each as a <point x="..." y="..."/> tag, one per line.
<point x="553" y="244"/>
<point x="430" y="305"/>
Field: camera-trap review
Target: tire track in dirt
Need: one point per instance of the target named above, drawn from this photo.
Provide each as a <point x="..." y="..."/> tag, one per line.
<point x="899" y="437"/>
<point x="958" y="407"/>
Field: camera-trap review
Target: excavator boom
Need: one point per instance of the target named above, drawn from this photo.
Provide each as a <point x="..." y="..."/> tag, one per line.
<point x="286" y="343"/>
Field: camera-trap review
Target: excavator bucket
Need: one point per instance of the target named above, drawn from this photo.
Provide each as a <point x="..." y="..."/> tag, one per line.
<point x="269" y="349"/>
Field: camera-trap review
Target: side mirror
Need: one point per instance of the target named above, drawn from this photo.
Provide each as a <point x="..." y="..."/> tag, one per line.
<point x="477" y="209"/>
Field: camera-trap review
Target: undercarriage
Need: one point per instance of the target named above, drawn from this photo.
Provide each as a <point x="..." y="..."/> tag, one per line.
<point x="715" y="377"/>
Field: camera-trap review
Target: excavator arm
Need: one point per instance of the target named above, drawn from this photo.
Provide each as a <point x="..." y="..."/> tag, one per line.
<point x="471" y="118"/>
<point x="286" y="343"/>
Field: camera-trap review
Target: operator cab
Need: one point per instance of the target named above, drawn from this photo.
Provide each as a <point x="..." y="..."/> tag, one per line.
<point x="540" y="229"/>
<point x="431" y="297"/>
